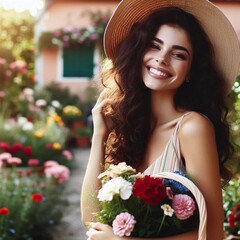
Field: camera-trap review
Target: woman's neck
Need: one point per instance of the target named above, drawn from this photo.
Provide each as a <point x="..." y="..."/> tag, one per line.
<point x="162" y="108"/>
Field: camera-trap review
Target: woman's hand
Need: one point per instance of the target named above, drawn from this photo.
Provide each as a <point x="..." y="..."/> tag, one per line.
<point x="101" y="123"/>
<point x="99" y="231"/>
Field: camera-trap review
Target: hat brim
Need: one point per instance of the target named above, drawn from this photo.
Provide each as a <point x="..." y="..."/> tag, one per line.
<point x="218" y="28"/>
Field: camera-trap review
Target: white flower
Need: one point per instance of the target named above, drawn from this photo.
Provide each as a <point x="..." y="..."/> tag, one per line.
<point x="22" y="120"/>
<point x="121" y="168"/>
<point x="115" y="171"/>
<point x="28" y="126"/>
<point x="28" y="91"/>
<point x="56" y="104"/>
<point x="168" y="211"/>
<point x="116" y="186"/>
<point x="7" y="127"/>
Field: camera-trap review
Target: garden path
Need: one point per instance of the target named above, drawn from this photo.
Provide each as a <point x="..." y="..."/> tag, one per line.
<point x="71" y="227"/>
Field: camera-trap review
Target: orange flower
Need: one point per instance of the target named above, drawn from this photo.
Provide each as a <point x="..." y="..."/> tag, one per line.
<point x="56" y="146"/>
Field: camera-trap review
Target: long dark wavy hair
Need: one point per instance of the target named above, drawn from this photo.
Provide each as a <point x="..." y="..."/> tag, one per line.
<point x="130" y="108"/>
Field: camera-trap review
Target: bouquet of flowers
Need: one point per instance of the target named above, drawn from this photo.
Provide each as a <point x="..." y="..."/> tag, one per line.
<point x="145" y="206"/>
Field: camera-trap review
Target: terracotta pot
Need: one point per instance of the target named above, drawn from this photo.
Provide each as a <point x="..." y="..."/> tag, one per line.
<point x="77" y="124"/>
<point x="83" y="141"/>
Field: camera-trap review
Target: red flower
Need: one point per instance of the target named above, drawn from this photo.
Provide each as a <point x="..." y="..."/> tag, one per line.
<point x="4" y="211"/>
<point x="234" y="217"/>
<point x="17" y="147"/>
<point x="27" y="150"/>
<point x="33" y="162"/>
<point x="231" y="220"/>
<point x="48" y="146"/>
<point x="5" y="147"/>
<point x="37" y="197"/>
<point x="150" y="189"/>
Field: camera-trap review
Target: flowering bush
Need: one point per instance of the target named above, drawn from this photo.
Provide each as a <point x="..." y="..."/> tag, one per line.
<point x="41" y="140"/>
<point x="29" y="199"/>
<point x="231" y="197"/>
<point x="70" y="36"/>
<point x="144" y="206"/>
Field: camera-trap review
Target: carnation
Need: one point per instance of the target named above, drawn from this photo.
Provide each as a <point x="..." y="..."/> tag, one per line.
<point x="184" y="206"/>
<point x="116" y="186"/>
<point x="59" y="172"/>
<point x="150" y="189"/>
<point x="14" y="161"/>
<point x="123" y="224"/>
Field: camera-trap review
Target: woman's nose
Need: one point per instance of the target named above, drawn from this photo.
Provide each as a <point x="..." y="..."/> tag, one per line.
<point x="162" y="58"/>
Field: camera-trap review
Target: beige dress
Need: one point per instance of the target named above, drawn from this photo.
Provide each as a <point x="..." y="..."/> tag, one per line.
<point x="170" y="160"/>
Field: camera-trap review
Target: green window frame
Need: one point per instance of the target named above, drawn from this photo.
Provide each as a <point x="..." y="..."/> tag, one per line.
<point x="78" y="61"/>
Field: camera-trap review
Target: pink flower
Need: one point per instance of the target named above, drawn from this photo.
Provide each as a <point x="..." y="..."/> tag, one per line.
<point x="183" y="206"/>
<point x="5" y="156"/>
<point x="2" y="61"/>
<point x="50" y="163"/>
<point x="41" y="103"/>
<point x="67" y="154"/>
<point x="123" y="224"/>
<point x="59" y="172"/>
<point x="14" y="161"/>
<point x="2" y="94"/>
<point x="8" y="73"/>
<point x="33" y="162"/>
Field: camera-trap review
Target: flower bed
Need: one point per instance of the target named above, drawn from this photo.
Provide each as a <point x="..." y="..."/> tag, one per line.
<point x="29" y="200"/>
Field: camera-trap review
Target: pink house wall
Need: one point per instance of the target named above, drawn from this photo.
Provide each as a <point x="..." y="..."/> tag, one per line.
<point x="63" y="14"/>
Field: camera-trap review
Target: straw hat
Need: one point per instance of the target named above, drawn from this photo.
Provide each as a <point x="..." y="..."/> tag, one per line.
<point x="214" y="22"/>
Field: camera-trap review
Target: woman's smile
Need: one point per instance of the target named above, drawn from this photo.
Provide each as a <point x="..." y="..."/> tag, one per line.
<point x="167" y="61"/>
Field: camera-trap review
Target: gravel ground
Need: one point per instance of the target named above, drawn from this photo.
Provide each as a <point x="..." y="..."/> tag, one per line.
<point x="71" y="227"/>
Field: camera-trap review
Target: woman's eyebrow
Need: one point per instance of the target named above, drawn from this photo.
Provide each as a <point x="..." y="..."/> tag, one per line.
<point x="177" y="47"/>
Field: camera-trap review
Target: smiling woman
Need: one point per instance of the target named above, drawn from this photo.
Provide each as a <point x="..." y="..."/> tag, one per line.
<point x="162" y="109"/>
<point x="33" y="6"/>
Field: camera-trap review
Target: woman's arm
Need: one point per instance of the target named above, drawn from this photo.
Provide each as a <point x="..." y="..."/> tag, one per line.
<point x="91" y="184"/>
<point x="99" y="231"/>
<point x="198" y="147"/>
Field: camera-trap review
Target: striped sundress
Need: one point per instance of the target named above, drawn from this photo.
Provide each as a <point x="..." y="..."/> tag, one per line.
<point x="170" y="160"/>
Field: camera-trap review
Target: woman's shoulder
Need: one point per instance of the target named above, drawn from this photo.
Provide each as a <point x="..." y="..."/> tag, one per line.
<point x="195" y="124"/>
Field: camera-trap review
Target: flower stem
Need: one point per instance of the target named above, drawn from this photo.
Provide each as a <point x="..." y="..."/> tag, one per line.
<point x="160" y="227"/>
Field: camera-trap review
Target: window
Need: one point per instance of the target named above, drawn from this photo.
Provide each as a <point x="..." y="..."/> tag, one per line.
<point x="78" y="61"/>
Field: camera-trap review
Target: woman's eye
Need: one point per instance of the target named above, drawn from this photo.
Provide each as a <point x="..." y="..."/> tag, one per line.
<point x="154" y="46"/>
<point x="179" y="56"/>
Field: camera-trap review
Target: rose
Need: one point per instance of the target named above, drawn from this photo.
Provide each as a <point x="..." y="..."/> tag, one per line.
<point x="116" y="186"/>
<point x="150" y="189"/>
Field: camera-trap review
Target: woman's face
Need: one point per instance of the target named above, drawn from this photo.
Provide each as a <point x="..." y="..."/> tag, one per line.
<point x="167" y="61"/>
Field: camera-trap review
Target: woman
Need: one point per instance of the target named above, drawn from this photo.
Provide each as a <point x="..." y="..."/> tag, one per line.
<point x="162" y="107"/>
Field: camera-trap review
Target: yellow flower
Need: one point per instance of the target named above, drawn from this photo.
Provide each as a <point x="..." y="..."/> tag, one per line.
<point x="38" y="134"/>
<point x="54" y="117"/>
<point x="71" y="110"/>
<point x="56" y="146"/>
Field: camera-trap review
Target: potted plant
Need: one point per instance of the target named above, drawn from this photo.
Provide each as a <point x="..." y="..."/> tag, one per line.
<point x="74" y="117"/>
<point x="83" y="137"/>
